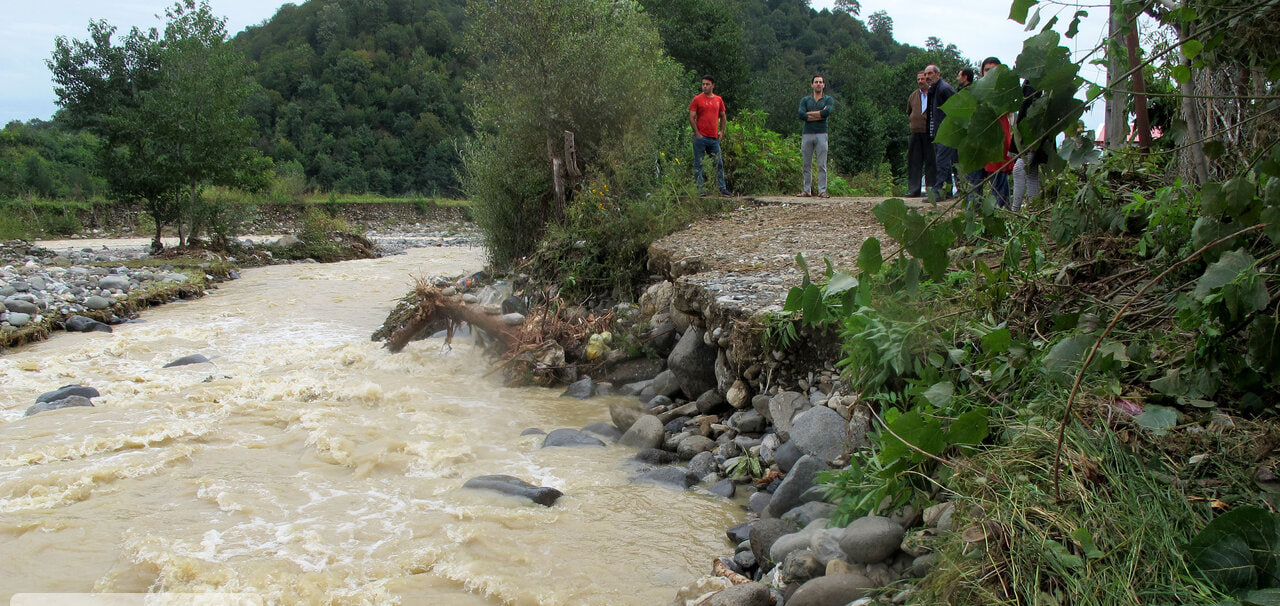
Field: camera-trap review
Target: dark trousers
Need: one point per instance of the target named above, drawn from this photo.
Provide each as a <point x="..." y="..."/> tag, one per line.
<point x="946" y="158"/>
<point x="920" y="157"/>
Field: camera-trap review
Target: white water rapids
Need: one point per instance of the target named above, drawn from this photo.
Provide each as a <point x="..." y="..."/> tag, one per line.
<point x="309" y="466"/>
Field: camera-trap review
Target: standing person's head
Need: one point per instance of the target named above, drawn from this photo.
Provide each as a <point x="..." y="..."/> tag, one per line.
<point x="989" y="64"/>
<point x="965" y="76"/>
<point x="922" y="81"/>
<point x="819" y="84"/>
<point x="932" y="73"/>
<point x="708" y="85"/>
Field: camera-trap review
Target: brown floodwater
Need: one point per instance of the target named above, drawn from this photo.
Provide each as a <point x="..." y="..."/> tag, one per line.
<point x="309" y="466"/>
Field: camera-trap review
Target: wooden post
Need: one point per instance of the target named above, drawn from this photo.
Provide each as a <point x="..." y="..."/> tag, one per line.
<point x="571" y="160"/>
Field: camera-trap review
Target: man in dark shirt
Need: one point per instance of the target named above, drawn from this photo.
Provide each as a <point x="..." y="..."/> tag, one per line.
<point x="814" y="110"/>
<point x="945" y="157"/>
<point x="920" y="156"/>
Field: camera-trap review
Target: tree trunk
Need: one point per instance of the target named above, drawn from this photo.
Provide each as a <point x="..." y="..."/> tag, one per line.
<point x="1116" y="128"/>
<point x="1191" y="115"/>
<point x="1142" y="122"/>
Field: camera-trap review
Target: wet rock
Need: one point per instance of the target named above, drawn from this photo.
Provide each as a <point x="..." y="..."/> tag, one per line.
<point x="800" y="479"/>
<point x="604" y="431"/>
<point x="814" y="510"/>
<point x="533" y="431"/>
<point x="571" y="438"/>
<point x="187" y="360"/>
<point x="746" y="594"/>
<point x="871" y="539"/>
<point x="724" y="488"/>
<point x="833" y="590"/>
<point x="745" y="559"/>
<point x="658" y="402"/>
<point x="68" y="390"/>
<point x="763" y="534"/>
<point x="661" y="335"/>
<point x="654" y="456"/>
<point x="786" y="456"/>
<point x="693" y="363"/>
<point x="624" y="415"/>
<point x="692" y="445"/>
<point x="645" y="432"/>
<point x="514" y="486"/>
<point x="581" y="389"/>
<point x="800" y="566"/>
<point x="820" y="432"/>
<point x="675" y="477"/>
<point x="747" y="421"/>
<point x="702" y="464"/>
<point x="757" y="502"/>
<point x="632" y="371"/>
<point x="738" y="534"/>
<point x="67" y="402"/>
<point x="83" y="324"/>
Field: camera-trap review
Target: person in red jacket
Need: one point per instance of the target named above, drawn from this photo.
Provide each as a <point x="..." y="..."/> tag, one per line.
<point x="708" y="119"/>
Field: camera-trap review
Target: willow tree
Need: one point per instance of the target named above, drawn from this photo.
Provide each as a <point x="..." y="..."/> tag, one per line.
<point x="593" y="68"/>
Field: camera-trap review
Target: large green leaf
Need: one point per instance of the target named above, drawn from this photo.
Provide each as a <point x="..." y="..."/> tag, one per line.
<point x="939" y="394"/>
<point x="840" y="282"/>
<point x="1239" y="551"/>
<point x="1064" y="359"/>
<point x="970" y="428"/>
<point x="1244" y="290"/>
<point x="1158" y="419"/>
<point x="1018" y="10"/>
<point x="997" y="341"/>
<point x="925" y="434"/>
<point x="870" y="258"/>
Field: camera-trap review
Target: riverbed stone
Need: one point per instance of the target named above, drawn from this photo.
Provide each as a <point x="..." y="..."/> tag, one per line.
<point x="656" y="456"/>
<point x="831" y="590"/>
<point x="631" y="371"/>
<point x="760" y="402"/>
<point x="97" y="303"/>
<point x="17" y="320"/>
<point x="724" y="488"/>
<point x="581" y="389"/>
<point x="786" y="456"/>
<point x="820" y="432"/>
<point x="84" y="324"/>
<point x="746" y="421"/>
<point x="871" y="539"/>
<point x="757" y="502"/>
<point x="604" y="431"/>
<point x="738" y="395"/>
<point x="67" y="402"/>
<point x="674" y="477"/>
<point x="826" y="546"/>
<point x="645" y="432"/>
<point x="624" y="415"/>
<point x="783" y="407"/>
<point x="745" y="559"/>
<point x="738" y="534"/>
<point x="725" y="375"/>
<point x="512" y="319"/>
<point x="800" y="566"/>
<point x="114" y="283"/>
<point x="21" y="306"/>
<point x="798" y="480"/>
<point x="83" y="391"/>
<point x="693" y="363"/>
<point x="571" y="438"/>
<point x="514" y="486"/>
<point x="806" y="513"/>
<point x="188" y="360"/>
<point x="702" y="464"/>
<point x="795" y="541"/>
<point x="746" y="594"/>
<point x="710" y="402"/>
<point x="692" y="445"/>
<point x="763" y="534"/>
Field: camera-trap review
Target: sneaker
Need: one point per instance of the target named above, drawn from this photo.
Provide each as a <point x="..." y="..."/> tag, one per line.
<point x="726" y="193"/>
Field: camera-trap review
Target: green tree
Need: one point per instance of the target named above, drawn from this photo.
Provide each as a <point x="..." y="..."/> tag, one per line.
<point x="167" y="109"/>
<point x="595" y="68"/>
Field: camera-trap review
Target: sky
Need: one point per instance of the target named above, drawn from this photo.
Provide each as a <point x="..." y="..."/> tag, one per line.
<point x="979" y="28"/>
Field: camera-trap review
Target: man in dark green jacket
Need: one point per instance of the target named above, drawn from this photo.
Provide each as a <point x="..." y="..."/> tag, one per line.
<point x="814" y="110"/>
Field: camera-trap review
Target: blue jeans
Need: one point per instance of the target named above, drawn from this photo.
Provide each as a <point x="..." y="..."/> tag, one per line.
<point x="945" y="158"/>
<point x="708" y="145"/>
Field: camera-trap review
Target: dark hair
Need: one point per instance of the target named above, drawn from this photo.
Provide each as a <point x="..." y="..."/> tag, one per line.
<point x="816" y="76"/>
<point x="708" y="77"/>
<point x="990" y="60"/>
<point x="967" y="72"/>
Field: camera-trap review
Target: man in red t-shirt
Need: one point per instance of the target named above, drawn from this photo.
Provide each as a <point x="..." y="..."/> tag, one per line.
<point x="707" y="117"/>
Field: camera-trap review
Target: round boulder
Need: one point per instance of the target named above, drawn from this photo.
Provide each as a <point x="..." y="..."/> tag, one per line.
<point x="835" y="590"/>
<point x="871" y="539"/>
<point x="570" y="438"/>
<point x="746" y="594"/>
<point x="645" y="432"/>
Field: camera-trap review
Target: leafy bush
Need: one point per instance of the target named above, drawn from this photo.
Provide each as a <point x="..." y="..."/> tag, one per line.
<point x="758" y="160"/>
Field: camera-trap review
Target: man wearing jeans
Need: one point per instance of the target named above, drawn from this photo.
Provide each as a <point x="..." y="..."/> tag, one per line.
<point x="707" y="117"/>
<point x="814" y="110"/>
<point x="945" y="157"/>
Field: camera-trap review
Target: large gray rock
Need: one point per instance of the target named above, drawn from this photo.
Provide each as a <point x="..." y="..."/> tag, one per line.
<point x="725" y="375"/>
<point x="674" y="477"/>
<point x="808" y="512"/>
<point x="581" y="389"/>
<point x="692" y="445"/>
<point x="783" y="407"/>
<point x="833" y="590"/>
<point x="795" y="541"/>
<point x="820" y="432"/>
<point x="747" y="421"/>
<point x="21" y="306"/>
<point x="760" y="402"/>
<point x="631" y="371"/>
<point x="725" y="488"/>
<point x="693" y="363"/>
<point x="67" y="402"/>
<point x="68" y="390"/>
<point x="710" y="402"/>
<point x="800" y="566"/>
<point x="702" y="464"/>
<point x="826" y="545"/>
<point x="18" y="319"/>
<point x="114" y="283"/>
<point x="83" y="324"/>
<point x="570" y="438"/>
<point x="746" y="594"/>
<point x="188" y="360"/>
<point x="786" y="456"/>
<point x="871" y="539"/>
<point x="95" y="302"/>
<point x="604" y="431"/>
<point x="763" y="534"/>
<point x="666" y="384"/>
<point x="646" y="432"/>
<point x="514" y="486"/>
<point x="655" y="456"/>
<point x="661" y="335"/>
<point x="800" y="479"/>
<point x="624" y="415"/>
